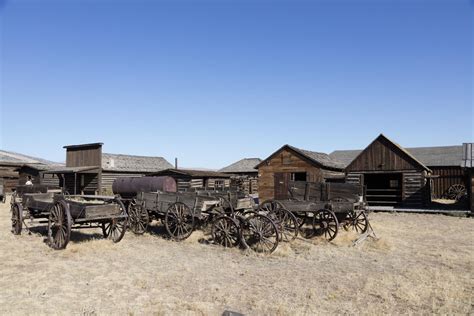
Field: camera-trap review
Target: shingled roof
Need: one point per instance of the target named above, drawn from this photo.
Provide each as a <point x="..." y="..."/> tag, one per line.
<point x="129" y="163"/>
<point x="429" y="156"/>
<point x="13" y="158"/>
<point x="314" y="157"/>
<point x="245" y="165"/>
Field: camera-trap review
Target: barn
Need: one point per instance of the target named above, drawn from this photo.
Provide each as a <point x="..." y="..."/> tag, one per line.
<point x="188" y="179"/>
<point x="90" y="171"/>
<point x="244" y="174"/>
<point x="294" y="164"/>
<point x="397" y="176"/>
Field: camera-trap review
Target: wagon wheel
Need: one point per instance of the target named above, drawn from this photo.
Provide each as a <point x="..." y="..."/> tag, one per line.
<point x="287" y="224"/>
<point x="260" y="234"/>
<point x="325" y="223"/>
<point x="456" y="191"/>
<point x="59" y="225"/>
<point x="301" y="219"/>
<point x="116" y="227"/>
<point x="138" y="218"/>
<point x="179" y="221"/>
<point x="17" y="218"/>
<point x="269" y="206"/>
<point x="357" y="221"/>
<point x="225" y="232"/>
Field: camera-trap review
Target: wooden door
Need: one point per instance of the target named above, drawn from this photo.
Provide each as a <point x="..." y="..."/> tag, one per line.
<point x="282" y="180"/>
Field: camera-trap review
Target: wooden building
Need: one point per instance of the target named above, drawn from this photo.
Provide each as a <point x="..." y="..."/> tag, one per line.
<point x="90" y="171"/>
<point x="37" y="175"/>
<point x="293" y="164"/>
<point x="441" y="164"/>
<point x="12" y="162"/>
<point x="467" y="163"/>
<point x="244" y="174"/>
<point x="188" y="180"/>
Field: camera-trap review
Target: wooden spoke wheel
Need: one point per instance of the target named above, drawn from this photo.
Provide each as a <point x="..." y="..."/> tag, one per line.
<point x="138" y="219"/>
<point x="301" y="219"/>
<point x="357" y="221"/>
<point x="287" y="224"/>
<point x="260" y="234"/>
<point x="225" y="232"/>
<point x="456" y="192"/>
<point x="116" y="227"/>
<point x="17" y="218"/>
<point x="179" y="221"/>
<point x="325" y="223"/>
<point x="59" y="225"/>
<point x="269" y="206"/>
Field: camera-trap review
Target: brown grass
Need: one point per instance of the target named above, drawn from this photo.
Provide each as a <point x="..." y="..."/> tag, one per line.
<point x="420" y="264"/>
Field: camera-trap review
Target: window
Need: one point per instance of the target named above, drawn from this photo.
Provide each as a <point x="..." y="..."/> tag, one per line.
<point x="298" y="176"/>
<point x="219" y="184"/>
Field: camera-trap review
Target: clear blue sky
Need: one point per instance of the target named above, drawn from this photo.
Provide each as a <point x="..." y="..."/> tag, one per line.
<point x="211" y="82"/>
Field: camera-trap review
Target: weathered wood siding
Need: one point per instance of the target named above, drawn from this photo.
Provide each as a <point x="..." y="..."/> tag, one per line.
<point x="414" y="189"/>
<point x="286" y="162"/>
<point x="381" y="156"/>
<point x="82" y="184"/>
<point x="84" y="156"/>
<point x="447" y="176"/>
<point x="10" y="177"/>
<point x="49" y="179"/>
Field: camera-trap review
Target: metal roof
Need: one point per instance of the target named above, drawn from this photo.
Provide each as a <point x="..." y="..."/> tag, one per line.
<point x="245" y="165"/>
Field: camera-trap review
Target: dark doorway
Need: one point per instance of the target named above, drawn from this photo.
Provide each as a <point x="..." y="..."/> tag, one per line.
<point x="384" y="189"/>
<point x="282" y="180"/>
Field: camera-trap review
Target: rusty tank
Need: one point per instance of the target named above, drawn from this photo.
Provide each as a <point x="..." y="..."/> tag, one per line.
<point x="128" y="187"/>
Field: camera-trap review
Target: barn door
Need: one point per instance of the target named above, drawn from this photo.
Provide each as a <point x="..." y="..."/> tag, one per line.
<point x="282" y="180"/>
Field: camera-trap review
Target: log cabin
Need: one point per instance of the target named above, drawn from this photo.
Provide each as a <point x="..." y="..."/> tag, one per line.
<point x="294" y="164"/>
<point x="90" y="171"/>
<point x="244" y="175"/>
<point x="189" y="180"/>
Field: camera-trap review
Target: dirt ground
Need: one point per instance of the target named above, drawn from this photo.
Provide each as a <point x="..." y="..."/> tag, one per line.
<point x="420" y="264"/>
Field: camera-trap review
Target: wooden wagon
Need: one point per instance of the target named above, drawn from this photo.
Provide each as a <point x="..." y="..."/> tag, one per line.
<point x="65" y="212"/>
<point x="325" y="206"/>
<point x="156" y="198"/>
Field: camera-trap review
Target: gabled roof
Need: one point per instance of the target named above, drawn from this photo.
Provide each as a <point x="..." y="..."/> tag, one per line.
<point x="317" y="158"/>
<point x="429" y="156"/>
<point x="13" y="158"/>
<point x="191" y="173"/>
<point x="129" y="163"/>
<point x="382" y="137"/>
<point x="245" y="165"/>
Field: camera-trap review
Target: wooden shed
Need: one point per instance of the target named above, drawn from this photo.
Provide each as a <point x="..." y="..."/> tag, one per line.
<point x="90" y="171"/>
<point x="188" y="179"/>
<point x="37" y="175"/>
<point x="443" y="161"/>
<point x="244" y="174"/>
<point x="392" y="175"/>
<point x="293" y="164"/>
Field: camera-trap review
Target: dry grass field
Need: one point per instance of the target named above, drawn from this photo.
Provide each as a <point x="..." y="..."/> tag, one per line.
<point x="420" y="264"/>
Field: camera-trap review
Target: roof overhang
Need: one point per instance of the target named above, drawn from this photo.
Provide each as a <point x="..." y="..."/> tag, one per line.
<point x="64" y="170"/>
